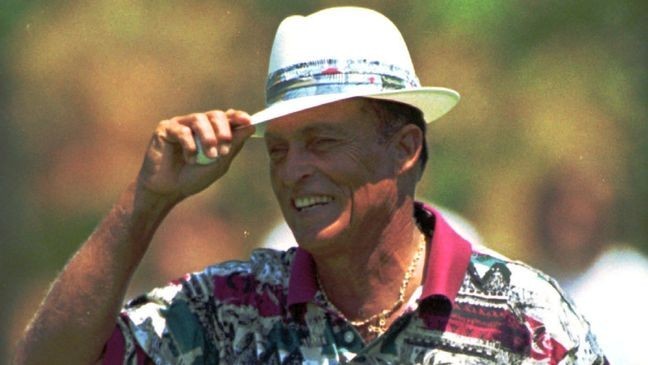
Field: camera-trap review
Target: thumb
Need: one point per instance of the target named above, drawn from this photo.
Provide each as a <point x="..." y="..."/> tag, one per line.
<point x="242" y="129"/>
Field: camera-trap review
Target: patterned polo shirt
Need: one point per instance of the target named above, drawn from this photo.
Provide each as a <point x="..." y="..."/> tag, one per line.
<point x="474" y="307"/>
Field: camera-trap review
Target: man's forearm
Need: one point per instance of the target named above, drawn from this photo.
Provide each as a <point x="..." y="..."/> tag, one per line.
<point x="78" y="314"/>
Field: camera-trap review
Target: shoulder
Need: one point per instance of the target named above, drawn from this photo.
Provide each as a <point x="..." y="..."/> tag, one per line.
<point x="266" y="270"/>
<point x="519" y="281"/>
<point x="527" y="290"/>
<point x="265" y="267"/>
<point x="185" y="314"/>
<point x="555" y="326"/>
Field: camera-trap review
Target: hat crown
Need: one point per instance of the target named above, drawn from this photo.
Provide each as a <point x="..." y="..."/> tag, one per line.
<point x="341" y="53"/>
<point x="341" y="33"/>
<point x="338" y="51"/>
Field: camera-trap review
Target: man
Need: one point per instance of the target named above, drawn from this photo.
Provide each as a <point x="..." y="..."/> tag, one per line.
<point x="377" y="277"/>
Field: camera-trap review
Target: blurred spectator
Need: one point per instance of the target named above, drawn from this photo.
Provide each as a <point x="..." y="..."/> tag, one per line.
<point x="606" y="279"/>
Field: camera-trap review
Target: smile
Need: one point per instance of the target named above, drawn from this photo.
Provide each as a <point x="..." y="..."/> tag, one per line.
<point x="311" y="201"/>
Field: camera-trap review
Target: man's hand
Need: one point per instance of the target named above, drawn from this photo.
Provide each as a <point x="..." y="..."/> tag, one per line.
<point x="78" y="314"/>
<point x="170" y="169"/>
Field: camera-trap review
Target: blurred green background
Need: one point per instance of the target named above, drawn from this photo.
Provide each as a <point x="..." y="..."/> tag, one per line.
<point x="544" y="84"/>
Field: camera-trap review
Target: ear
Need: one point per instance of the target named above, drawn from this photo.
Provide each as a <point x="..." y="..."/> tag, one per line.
<point x="407" y="144"/>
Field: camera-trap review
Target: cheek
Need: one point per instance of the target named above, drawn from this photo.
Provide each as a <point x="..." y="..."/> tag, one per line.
<point x="376" y="193"/>
<point x="367" y="185"/>
<point x="277" y="189"/>
<point x="359" y="166"/>
<point x="370" y="205"/>
<point x="273" y="181"/>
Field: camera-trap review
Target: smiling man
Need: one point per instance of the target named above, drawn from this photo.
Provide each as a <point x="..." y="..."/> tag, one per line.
<point x="377" y="278"/>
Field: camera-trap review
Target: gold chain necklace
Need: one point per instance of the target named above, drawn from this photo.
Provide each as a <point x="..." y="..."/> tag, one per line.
<point x="381" y="318"/>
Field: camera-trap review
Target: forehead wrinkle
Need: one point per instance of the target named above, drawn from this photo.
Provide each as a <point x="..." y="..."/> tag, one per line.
<point x="310" y="129"/>
<point x="329" y="118"/>
<point x="319" y="126"/>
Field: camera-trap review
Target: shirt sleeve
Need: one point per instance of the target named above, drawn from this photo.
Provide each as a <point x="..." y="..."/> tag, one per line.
<point x="122" y="349"/>
<point x="170" y="324"/>
<point x="559" y="333"/>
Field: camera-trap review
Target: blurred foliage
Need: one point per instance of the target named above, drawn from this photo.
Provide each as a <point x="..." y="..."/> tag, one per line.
<point x="543" y="84"/>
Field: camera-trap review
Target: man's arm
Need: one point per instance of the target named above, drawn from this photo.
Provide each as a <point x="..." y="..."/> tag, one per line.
<point x="78" y="314"/>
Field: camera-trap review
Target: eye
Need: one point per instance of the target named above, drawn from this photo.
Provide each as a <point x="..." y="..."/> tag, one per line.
<point x="322" y="143"/>
<point x="277" y="152"/>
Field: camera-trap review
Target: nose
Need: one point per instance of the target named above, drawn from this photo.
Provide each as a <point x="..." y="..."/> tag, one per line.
<point x="296" y="167"/>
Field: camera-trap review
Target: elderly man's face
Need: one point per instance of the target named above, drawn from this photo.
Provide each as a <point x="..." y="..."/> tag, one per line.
<point x="333" y="176"/>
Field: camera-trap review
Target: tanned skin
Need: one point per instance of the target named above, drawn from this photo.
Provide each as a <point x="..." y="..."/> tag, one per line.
<point x="78" y="314"/>
<point x="364" y="236"/>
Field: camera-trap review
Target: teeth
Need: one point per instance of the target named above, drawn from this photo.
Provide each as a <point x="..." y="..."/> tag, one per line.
<point x="309" y="201"/>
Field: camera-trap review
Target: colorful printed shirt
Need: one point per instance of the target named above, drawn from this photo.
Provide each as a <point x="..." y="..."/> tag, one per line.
<point x="474" y="307"/>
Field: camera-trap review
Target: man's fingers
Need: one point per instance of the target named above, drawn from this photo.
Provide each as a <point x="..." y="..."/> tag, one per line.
<point x="184" y="136"/>
<point x="241" y="122"/>
<point x="203" y="130"/>
<point x="233" y="127"/>
<point x="243" y="128"/>
<point x="223" y="130"/>
<point x="169" y="134"/>
<point x="205" y="136"/>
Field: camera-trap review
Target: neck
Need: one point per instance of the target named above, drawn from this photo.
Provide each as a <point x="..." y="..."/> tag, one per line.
<point x="366" y="278"/>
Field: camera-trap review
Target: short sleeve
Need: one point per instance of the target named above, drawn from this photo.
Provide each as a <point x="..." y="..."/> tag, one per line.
<point x="559" y="333"/>
<point x="166" y="325"/>
<point x="121" y="348"/>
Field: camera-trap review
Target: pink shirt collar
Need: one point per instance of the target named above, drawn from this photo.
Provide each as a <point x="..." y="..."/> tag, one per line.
<point x="448" y="259"/>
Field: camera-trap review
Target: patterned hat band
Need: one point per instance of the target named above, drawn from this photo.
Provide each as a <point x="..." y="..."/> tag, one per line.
<point x="326" y="77"/>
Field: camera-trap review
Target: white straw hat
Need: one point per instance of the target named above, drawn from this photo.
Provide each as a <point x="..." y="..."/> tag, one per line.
<point x="340" y="53"/>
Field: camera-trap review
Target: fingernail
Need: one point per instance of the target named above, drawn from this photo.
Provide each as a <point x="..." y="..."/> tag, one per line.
<point x="224" y="149"/>
<point x="212" y="152"/>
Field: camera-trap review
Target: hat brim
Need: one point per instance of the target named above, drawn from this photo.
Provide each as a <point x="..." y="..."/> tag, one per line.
<point x="434" y="102"/>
